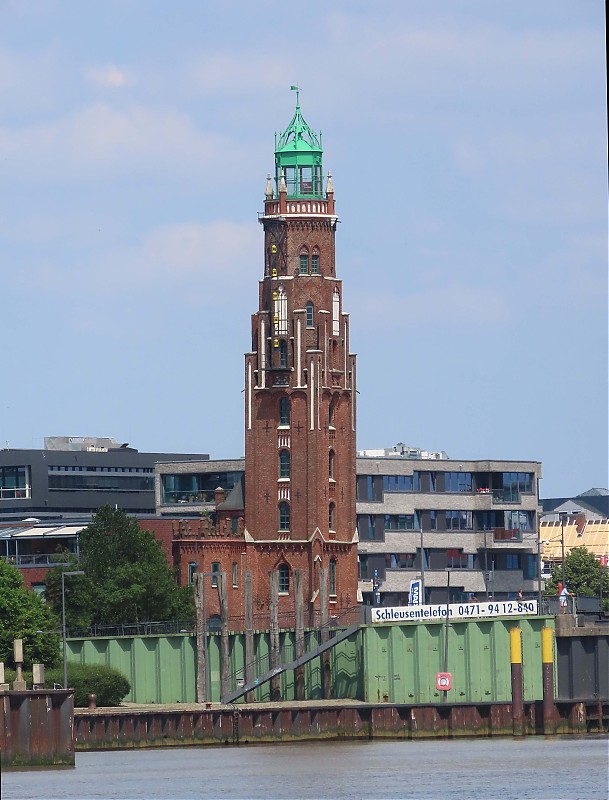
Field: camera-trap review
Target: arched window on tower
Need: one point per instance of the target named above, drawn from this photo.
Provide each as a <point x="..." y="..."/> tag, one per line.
<point x="284" y="411"/>
<point x="309" y="308"/>
<point x="335" y="313"/>
<point x="281" y="310"/>
<point x="332" y="577"/>
<point x="283" y="354"/>
<point x="284" y="463"/>
<point x="331" y="410"/>
<point x="303" y="268"/>
<point x="315" y="262"/>
<point x="331" y="465"/>
<point x="284" y="516"/>
<point x="331" y="516"/>
<point x="284" y="579"/>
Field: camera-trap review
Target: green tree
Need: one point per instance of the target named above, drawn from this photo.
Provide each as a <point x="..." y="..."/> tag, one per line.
<point x="79" y="590"/>
<point x="24" y="615"/>
<point x="127" y="578"/>
<point x="584" y="575"/>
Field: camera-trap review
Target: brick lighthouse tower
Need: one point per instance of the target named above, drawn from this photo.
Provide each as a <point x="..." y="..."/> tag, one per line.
<point x="300" y="391"/>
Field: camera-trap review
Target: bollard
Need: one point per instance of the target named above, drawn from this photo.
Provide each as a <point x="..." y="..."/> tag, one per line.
<point x="3" y="685"/>
<point x="517" y="693"/>
<point x="547" y="672"/>
<point x="92" y="698"/>
<point x="18" y="683"/>
<point x="37" y="676"/>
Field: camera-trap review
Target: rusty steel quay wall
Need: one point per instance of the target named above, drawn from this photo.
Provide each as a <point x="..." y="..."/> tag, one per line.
<point x="103" y="729"/>
<point x="36" y="729"/>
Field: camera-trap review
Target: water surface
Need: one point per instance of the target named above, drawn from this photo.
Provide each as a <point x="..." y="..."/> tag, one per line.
<point x="532" y="768"/>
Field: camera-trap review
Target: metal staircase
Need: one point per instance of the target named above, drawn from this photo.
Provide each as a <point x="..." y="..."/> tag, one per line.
<point x="291" y="665"/>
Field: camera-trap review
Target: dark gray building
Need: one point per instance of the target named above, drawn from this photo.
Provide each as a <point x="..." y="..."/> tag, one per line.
<point x="74" y="476"/>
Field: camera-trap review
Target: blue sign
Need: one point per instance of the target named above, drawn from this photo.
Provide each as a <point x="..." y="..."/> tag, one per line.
<point x="414" y="596"/>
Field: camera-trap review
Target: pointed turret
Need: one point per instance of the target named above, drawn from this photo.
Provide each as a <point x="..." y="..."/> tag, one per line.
<point x="298" y="157"/>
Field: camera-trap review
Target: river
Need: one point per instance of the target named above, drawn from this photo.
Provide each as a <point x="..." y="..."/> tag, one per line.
<point x="531" y="768"/>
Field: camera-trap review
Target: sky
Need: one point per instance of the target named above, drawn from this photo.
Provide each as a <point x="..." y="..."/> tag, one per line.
<point x="467" y="143"/>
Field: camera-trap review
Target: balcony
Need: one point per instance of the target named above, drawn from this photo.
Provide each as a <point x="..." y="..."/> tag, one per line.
<point x="500" y="496"/>
<point x="507" y="535"/>
<point x="185" y="498"/>
<point x="38" y="560"/>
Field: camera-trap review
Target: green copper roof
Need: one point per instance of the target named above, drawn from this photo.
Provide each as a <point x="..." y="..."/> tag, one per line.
<point x="297" y="136"/>
<point x="298" y="158"/>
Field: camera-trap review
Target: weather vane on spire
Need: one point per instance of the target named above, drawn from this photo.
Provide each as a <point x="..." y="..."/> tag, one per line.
<point x="297" y="90"/>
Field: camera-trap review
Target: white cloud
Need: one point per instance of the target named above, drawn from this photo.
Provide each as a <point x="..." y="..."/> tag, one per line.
<point x="101" y="137"/>
<point x="107" y="77"/>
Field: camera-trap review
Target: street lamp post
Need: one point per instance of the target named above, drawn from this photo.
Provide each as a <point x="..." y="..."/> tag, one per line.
<point x="422" y="567"/>
<point x="63" y="623"/>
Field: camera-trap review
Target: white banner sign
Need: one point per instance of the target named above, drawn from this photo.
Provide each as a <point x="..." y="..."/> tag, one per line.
<point x="462" y="611"/>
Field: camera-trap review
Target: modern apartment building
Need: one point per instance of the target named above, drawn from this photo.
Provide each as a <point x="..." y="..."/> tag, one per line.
<point x="477" y="520"/>
<point x="426" y="517"/>
<point x="74" y="476"/>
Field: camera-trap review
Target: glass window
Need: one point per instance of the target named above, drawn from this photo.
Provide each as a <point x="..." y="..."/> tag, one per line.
<point x="215" y="568"/>
<point x="331" y="410"/>
<point x="399" y="522"/>
<point x="284" y="411"/>
<point x="456" y="559"/>
<point x="290" y="179"/>
<point x="331" y="515"/>
<point x="281" y="310"/>
<point x="362" y="563"/>
<point x="284" y="579"/>
<point x="399" y="560"/>
<point x="331" y="464"/>
<point x="458" y="481"/>
<point x="306" y="180"/>
<point x="459" y="521"/>
<point x="14" y="482"/>
<point x="332" y="577"/>
<point x="284" y="464"/>
<point x="309" y="308"/>
<point x="335" y="313"/>
<point x="235" y="575"/>
<point x="234" y="524"/>
<point x="193" y="568"/>
<point x="401" y="483"/>
<point x="433" y="520"/>
<point x="519" y="520"/>
<point x="304" y="264"/>
<point x="317" y="187"/>
<point x="512" y="561"/>
<point x="315" y="264"/>
<point x="284" y="516"/>
<point x="283" y="354"/>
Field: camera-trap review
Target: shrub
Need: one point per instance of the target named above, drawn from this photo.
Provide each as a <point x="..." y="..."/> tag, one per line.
<point x="107" y="683"/>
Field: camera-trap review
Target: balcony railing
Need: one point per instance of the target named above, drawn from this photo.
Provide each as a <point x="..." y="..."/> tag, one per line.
<point x="507" y="535"/>
<point x="506" y="496"/>
<point x="15" y="493"/>
<point x="171" y="497"/>
<point x="39" y="560"/>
